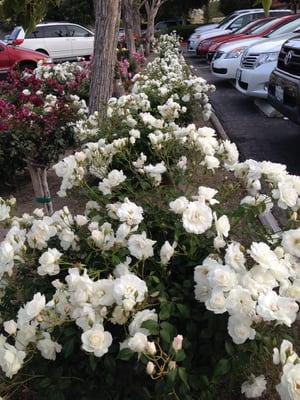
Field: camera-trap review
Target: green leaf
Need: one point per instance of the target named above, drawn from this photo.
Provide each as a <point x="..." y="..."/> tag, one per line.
<point x="183" y="310"/>
<point x="229" y="348"/>
<point x="180" y="355"/>
<point x="183" y="376"/>
<point x="151" y="326"/>
<point x="165" y="311"/>
<point x="222" y="367"/>
<point x="93" y="362"/>
<point x="172" y="375"/>
<point x="125" y="354"/>
<point x="68" y="348"/>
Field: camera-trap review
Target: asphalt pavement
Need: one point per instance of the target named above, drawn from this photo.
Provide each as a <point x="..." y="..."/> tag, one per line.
<point x="257" y="136"/>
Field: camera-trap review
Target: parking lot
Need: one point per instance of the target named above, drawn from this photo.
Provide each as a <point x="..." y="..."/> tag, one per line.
<point x="257" y="136"/>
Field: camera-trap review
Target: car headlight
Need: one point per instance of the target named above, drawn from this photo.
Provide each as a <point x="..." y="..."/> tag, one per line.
<point x="236" y="53"/>
<point x="264" y="58"/>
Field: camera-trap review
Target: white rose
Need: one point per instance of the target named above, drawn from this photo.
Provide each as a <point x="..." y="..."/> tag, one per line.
<point x="48" y="347"/>
<point x="222" y="226"/>
<point x="130" y="213"/>
<point x="291" y="242"/>
<point x="254" y="387"/>
<point x="167" y="252"/>
<point x="11" y="359"/>
<point x="138" y="343"/>
<point x="10" y="327"/>
<point x="140" y="247"/>
<point x="49" y="262"/>
<point x="129" y="287"/>
<point x="222" y="276"/>
<point x="289" y="387"/>
<point x="240" y="329"/>
<point x="31" y="309"/>
<point x="140" y="317"/>
<point x="179" y="205"/>
<point x="234" y="257"/>
<point x="197" y="218"/>
<point x="216" y="301"/>
<point x="96" y="340"/>
<point x="4" y="212"/>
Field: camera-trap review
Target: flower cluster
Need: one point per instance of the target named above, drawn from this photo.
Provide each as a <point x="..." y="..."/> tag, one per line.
<point x="117" y="280"/>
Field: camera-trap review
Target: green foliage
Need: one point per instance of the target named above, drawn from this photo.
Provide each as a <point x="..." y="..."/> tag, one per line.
<point x="228" y="6"/>
<point x="27" y="13"/>
<point x="79" y="11"/>
<point x="184" y="31"/>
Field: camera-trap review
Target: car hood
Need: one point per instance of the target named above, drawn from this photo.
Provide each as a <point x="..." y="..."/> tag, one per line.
<point x="209" y="34"/>
<point x="25" y="50"/>
<point x="206" y="28"/>
<point x="271" y="45"/>
<point x="226" y="47"/>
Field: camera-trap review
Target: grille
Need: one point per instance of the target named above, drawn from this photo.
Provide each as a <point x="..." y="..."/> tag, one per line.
<point x="293" y="64"/>
<point x="249" y="62"/>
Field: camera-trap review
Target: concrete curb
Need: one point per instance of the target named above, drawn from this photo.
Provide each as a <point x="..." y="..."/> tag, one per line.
<point x="267" y="219"/>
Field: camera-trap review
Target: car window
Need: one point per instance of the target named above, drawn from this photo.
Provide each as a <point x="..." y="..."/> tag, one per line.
<point x="249" y="28"/>
<point x="36" y="34"/>
<point x="54" y="31"/>
<point x="15" y="33"/>
<point x="289" y="27"/>
<point x="241" y="21"/>
<point x="279" y="13"/>
<point x="258" y="15"/>
<point x="77" y="31"/>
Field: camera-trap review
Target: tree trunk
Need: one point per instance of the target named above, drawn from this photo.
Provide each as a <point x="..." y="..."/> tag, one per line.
<point x="41" y="190"/>
<point x="127" y="12"/>
<point x="103" y="65"/>
<point x="136" y="20"/>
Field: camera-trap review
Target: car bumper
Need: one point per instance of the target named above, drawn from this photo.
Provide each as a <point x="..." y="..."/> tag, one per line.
<point x="254" y="82"/>
<point x="225" y="68"/>
<point x="192" y="46"/>
<point x="284" y="94"/>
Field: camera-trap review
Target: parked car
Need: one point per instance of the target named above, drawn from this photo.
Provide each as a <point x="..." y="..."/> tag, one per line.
<point x="60" y="41"/>
<point x="161" y="25"/>
<point x="205" y="45"/>
<point x="260" y="31"/>
<point x="284" y="84"/>
<point x="229" y="18"/>
<point x="257" y="64"/>
<point x="12" y="56"/>
<point x="227" y="59"/>
<point x="230" y="25"/>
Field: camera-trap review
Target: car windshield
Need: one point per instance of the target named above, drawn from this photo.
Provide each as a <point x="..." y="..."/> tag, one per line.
<point x="287" y="28"/>
<point x="225" y="20"/>
<point x="264" y="27"/>
<point x="250" y="28"/>
<point x="2" y="43"/>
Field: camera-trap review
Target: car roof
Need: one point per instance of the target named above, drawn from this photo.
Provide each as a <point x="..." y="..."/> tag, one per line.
<point x="57" y="23"/>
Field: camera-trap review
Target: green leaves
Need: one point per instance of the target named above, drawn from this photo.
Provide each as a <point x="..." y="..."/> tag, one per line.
<point x="125" y="354"/>
<point x="222" y="367"/>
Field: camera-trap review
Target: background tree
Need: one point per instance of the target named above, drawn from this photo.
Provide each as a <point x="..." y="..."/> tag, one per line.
<point x="103" y="65"/>
<point x="151" y="7"/>
<point x="128" y="20"/>
<point x="79" y="11"/>
<point x="179" y="8"/>
<point x="228" y="6"/>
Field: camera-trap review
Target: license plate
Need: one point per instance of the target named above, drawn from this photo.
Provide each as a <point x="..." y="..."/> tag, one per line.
<point x="279" y="93"/>
<point x="238" y="75"/>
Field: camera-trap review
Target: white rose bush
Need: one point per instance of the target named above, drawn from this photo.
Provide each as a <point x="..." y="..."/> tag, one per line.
<point x="167" y="286"/>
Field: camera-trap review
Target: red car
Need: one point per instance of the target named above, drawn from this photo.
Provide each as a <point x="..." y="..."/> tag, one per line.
<point x="203" y="46"/>
<point x="12" y="56"/>
<point x="260" y="31"/>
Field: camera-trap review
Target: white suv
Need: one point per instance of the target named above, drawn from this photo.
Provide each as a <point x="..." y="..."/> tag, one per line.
<point x="59" y="40"/>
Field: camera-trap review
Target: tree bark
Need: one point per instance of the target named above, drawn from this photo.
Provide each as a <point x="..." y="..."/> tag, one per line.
<point x="136" y="19"/>
<point x="41" y="190"/>
<point x="127" y="12"/>
<point x="107" y="15"/>
<point x="152" y="7"/>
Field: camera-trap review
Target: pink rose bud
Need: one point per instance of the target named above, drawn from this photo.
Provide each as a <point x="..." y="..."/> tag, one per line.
<point x="151" y="348"/>
<point x="177" y="343"/>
